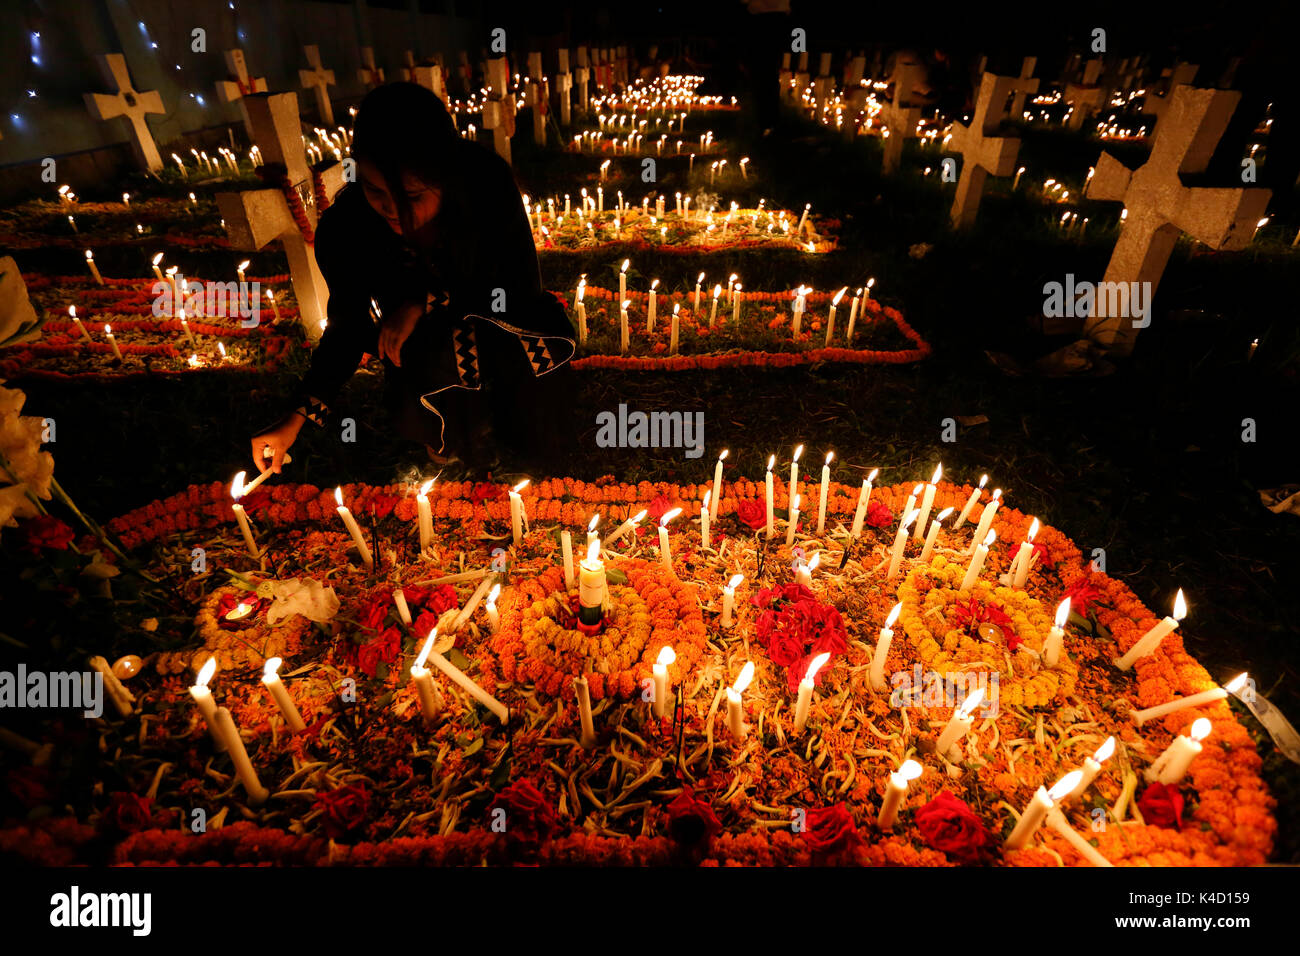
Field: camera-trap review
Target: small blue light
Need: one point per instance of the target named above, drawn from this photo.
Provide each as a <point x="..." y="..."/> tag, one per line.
<point x="200" y="100"/>
<point x="16" y="119"/>
<point x="32" y="94"/>
<point x="154" y="45"/>
<point x="142" y="27"/>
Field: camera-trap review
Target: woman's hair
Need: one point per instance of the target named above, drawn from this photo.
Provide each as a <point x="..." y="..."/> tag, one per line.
<point x="405" y="128"/>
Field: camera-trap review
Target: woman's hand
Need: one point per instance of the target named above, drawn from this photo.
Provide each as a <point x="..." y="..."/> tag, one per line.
<point x="395" y="330"/>
<point x="279" y="440"/>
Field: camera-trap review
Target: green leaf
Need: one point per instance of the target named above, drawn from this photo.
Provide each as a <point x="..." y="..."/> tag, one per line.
<point x="615" y="576"/>
<point x="501" y="775"/>
<point x="459" y="659"/>
<point x="474" y="747"/>
<point x="1081" y="622"/>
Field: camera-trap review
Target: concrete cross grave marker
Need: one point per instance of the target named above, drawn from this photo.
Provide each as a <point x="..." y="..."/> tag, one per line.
<point x="129" y="105"/>
<point x="430" y="77"/>
<point x="1160" y="208"/>
<point x="899" y="118"/>
<point x="1181" y="74"/>
<point x="1023" y="85"/>
<point x="234" y="91"/>
<point x="369" y="75"/>
<point x="499" y="110"/>
<point x="318" y="79"/>
<point x="564" y="87"/>
<point x="257" y="217"/>
<point x="1086" y="97"/>
<point x="537" y="97"/>
<point x="982" y="152"/>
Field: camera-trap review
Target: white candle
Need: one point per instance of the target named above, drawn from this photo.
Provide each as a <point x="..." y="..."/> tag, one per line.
<point x="864" y="498"/>
<point x="460" y="677"/>
<point x="959" y="723"/>
<point x="735" y="305"/>
<point x="825" y="490"/>
<point x="792" y="523"/>
<point x="468" y="610"/>
<point x="1056" y="820"/>
<point x="729" y="599"/>
<point x="895" y="791"/>
<point x="517" y="517"/>
<point x="882" y="650"/>
<point x="280" y="693"/>
<point x="257" y="793"/>
<point x="911" y="501"/>
<point x="428" y="694"/>
<point x="237" y="491"/>
<point x="927" y="502"/>
<point x="207" y="706"/>
<point x="275" y="309"/>
<point x="625" y="527"/>
<point x="582" y="311"/>
<point x="1192" y="700"/>
<point x="803" y="219"/>
<point x="717" y="487"/>
<point x="623" y="337"/>
<point x="1092" y="767"/>
<point x="704" y="521"/>
<point x="156" y="271"/>
<point x="108" y="332"/>
<point x="591" y="529"/>
<point x="665" y="553"/>
<point x="797" y="321"/>
<point x="830" y="319"/>
<point x="1036" y="812"/>
<point x="659" y="672"/>
<point x="1056" y="636"/>
<point x="932" y="535"/>
<point x="425" y="522"/>
<point x="675" y="331"/>
<point x="1024" y="556"/>
<point x="1149" y="641"/>
<point x="900" y="542"/>
<point x="72" y="311"/>
<point x="977" y="561"/>
<point x="650" y="312"/>
<point x="591" y="586"/>
<point x="94" y="269"/>
<point x="986" y="518"/>
<point x="804" y="702"/>
<point x="403" y="609"/>
<point x="695" y="309"/>
<point x="566" y="546"/>
<point x="353" y="529"/>
<point x="622" y="278"/>
<point x="970" y="503"/>
<point x="494" y="618"/>
<point x="582" y="688"/>
<point x="1171" y="766"/>
<point x="794" y="471"/>
<point x="771" y="514"/>
<point x="803" y="575"/>
<point x="735" y="702"/>
<point x="713" y="314"/>
<point x="185" y="327"/>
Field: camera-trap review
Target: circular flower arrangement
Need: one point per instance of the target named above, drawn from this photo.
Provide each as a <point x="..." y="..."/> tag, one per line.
<point x="233" y="627"/>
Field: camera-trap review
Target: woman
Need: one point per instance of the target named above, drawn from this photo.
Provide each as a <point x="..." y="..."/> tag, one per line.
<point x="433" y="233"/>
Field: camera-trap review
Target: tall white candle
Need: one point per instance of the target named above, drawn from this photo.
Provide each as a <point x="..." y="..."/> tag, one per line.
<point x="1038" y="808"/>
<point x="771" y="513"/>
<point x="403" y="609"/>
<point x="970" y="503"/>
<point x="794" y="471"/>
<point x="427" y="693"/>
<point x="494" y="618"/>
<point x="257" y="793"/>
<point x="864" y="498"/>
<point x="927" y="502"/>
<point x="237" y="492"/>
<point x="1192" y="700"/>
<point x="158" y="257"/>
<point x="517" y="517"/>
<point x="713" y="312"/>
<point x="1171" y="766"/>
<point x="735" y="702"/>
<point x="853" y="318"/>
<point x="699" y="281"/>
<point x="566" y="546"/>
<point x="591" y="529"/>
<point x="207" y="706"/>
<point x="501" y="711"/>
<point x="900" y="543"/>
<point x="1025" y="556"/>
<point x="665" y="553"/>
<point x="895" y="791"/>
<point x="704" y="522"/>
<point x="986" y="518"/>
<point x="977" y="561"/>
<point x="1149" y="641"/>
<point x="582" y="690"/>
<point x="825" y="490"/>
<point x="804" y="702"/>
<point x="674" y="332"/>
<point x="628" y="525"/>
<point x="959" y="723"/>
<point x="662" y="685"/>
<point x="932" y="535"/>
<point x="280" y="693"/>
<point x="353" y="529"/>
<point x="882" y="650"/>
<point x="472" y="604"/>
<point x="1056" y="636"/>
<point x="1092" y="767"/>
<point x="108" y="333"/>
<point x="830" y="318"/>
<point x="425" y="513"/>
<point x="72" y="312"/>
<point x="735" y="305"/>
<point x="911" y="502"/>
<point x="622" y="279"/>
<point x="717" y="486"/>
<point x="94" y="269"/>
<point x="729" y="599"/>
<point x="803" y="575"/>
<point x="624" y="338"/>
<point x="582" y="311"/>
<point x="792" y="523"/>
<point x="650" y="311"/>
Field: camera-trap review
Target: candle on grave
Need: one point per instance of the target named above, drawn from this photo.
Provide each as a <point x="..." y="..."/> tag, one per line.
<point x="804" y="702"/>
<point x="735" y="702"/>
<point x="864" y="498"/>
<point x="771" y="513"/>
<point x="830" y="319"/>
<point x="240" y="269"/>
<point x="882" y="649"/>
<point x="676" y="330"/>
<point x="494" y="617"/>
<point x="932" y="535"/>
<point x="927" y="501"/>
<point x="275" y="309"/>
<point x="172" y="273"/>
<point x="1092" y="767"/>
<point x="185" y="326"/>
<point x="704" y="521"/>
<point x="425" y="515"/>
<point x="353" y="529"/>
<point x="429" y="696"/>
<point x="207" y="706"/>
<point x="1149" y="641"/>
<point x="108" y="332"/>
<point x="650" y="310"/>
<point x="622" y="326"/>
<point x="1056" y="636"/>
<point x="1020" y="172"/>
<point x="257" y="793"/>
<point x="977" y="561"/>
<point x="1025" y="556"/>
<point x="793" y="522"/>
<point x="743" y="163"/>
<point x="72" y="311"/>
<point x="591" y="586"/>
<point x="713" y="313"/>
<point x="566" y="548"/>
<point x="803" y="574"/>
<point x="959" y="723"/>
<point x="797" y="311"/>
<point x="156" y="271"/>
<point x="1056" y="820"/>
<point x="582" y="690"/>
<point x="501" y="711"/>
<point x="803" y="219"/>
<point x="895" y="791"/>
<point x="825" y="490"/>
<point x="970" y="502"/>
<point x="729" y="599"/>
<point x="853" y="317"/>
<point x="665" y="553"/>
<point x="403" y="609"/>
<point x="628" y="525"/>
<point x="794" y="470"/>
<point x="699" y="280"/>
<point x="94" y="269"/>
<point x="986" y="517"/>
<point x="280" y="694"/>
<point x="1043" y="801"/>
<point x="1171" y="766"/>
<point x="517" y="513"/>
<point x="582" y="311"/>
<point x="1192" y="700"/>
<point x="717" y="486"/>
<point x="591" y="529"/>
<point x="237" y="491"/>
<point x="659" y="674"/>
<point x="622" y="279"/>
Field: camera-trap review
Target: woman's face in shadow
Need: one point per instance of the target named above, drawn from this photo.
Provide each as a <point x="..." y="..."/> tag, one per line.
<point x="424" y="200"/>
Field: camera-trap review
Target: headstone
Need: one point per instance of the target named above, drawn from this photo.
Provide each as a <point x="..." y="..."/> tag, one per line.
<point x="129" y="105"/>
<point x="317" y="79"/>
<point x="854" y="72"/>
<point x="257" y="217"/>
<point x="430" y="77"/>
<point x="564" y="87"/>
<point x="982" y="152"/>
<point x="899" y="118"/>
<point x="538" y="100"/>
<point x="1160" y="207"/>
<point x="1182" y="74"/>
<point x="499" y="110"/>
<point x="582" y="76"/>
<point x="1023" y="85"/>
<point x="1086" y="97"/>
<point x="234" y="91"/>
<point x="369" y="75"/>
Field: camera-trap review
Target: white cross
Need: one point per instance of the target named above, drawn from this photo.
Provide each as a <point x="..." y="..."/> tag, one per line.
<point x="1086" y="97"/>
<point x="1181" y="75"/>
<point x="564" y="86"/>
<point x="234" y="91"/>
<point x="430" y="77"/>
<point x="369" y="74"/>
<point x="1022" y="85"/>
<point x="499" y="110"/>
<point x="899" y="118"/>
<point x="982" y="153"/>
<point x="317" y="79"/>
<point x="129" y="104"/>
<point x="1160" y="207"/>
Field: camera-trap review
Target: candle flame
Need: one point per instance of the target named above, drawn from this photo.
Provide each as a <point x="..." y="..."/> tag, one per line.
<point x="158" y="258"/>
<point x="717" y="291"/>
<point x="666" y="656"/>
<point x="770" y="462"/>
<point x="907" y="521"/>
<point x="839" y="295"/>
<point x="1065" y="785"/>
<point x="654" y="285"/>
<point x="108" y="329"/>
<point x="997" y="493"/>
<point x="626" y="263"/>
<point x="909" y="771"/>
<point x="492" y="595"/>
<point x="796" y="503"/>
<point x="1236" y="684"/>
<point x="426" y="650"/>
<point x="707" y="495"/>
<point x="917" y="490"/>
<point x="1180" y="606"/>
<point x="669" y="516"/>
<point x="338" y="496"/>
<point x="938" y="473"/>
<point x="72" y="311"/>
<point x="1201" y="729"/>
<point x="984" y="480"/>
<point x="206" y="672"/>
<point x="893" y="615"/>
<point x="241" y="267"/>
<point x="944" y="513"/>
<point x="735" y="581"/>
<point x="723" y="455"/>
<point x="829" y="456"/>
<point x="699" y="279"/>
<point x="1033" y="530"/>
<point x="1063" y="613"/>
<point x="521" y="486"/>
<point x="817" y="664"/>
<point x="990" y="538"/>
<point x="626" y="303"/>
<point x="270" y="667"/>
<point x="591" y="525"/>
<point x="797" y="452"/>
<point x="89" y="254"/>
<point x="424" y="488"/>
<point x="677" y="308"/>
<point x="971" y="702"/>
<point x="872" y="476"/>
<point x="816" y="560"/>
<point x="639" y="516"/>
<point x="744" y="678"/>
<point x="1105" y="750"/>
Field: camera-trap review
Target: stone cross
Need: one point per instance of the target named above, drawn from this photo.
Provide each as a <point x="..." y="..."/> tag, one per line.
<point x="1023" y="85"/>
<point x="234" y="91"/>
<point x="537" y="97"/>
<point x="430" y="77"/>
<point x="1160" y="207"/>
<point x="1182" y="74"/>
<point x="564" y="87"/>
<point x="899" y="118"/>
<point x="257" y="217"/>
<point x="317" y="79"/>
<point x="129" y="105"/>
<point x="1086" y="97"/>
<point x="982" y="152"/>
<point x="369" y="75"/>
<point x="854" y="71"/>
<point x="499" y="110"/>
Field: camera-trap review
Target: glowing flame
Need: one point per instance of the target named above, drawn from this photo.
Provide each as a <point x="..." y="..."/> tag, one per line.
<point x="744" y="678"/>
<point x="492" y="595"/>
<point x="971" y="702"/>
<point x="892" y="619"/>
<point x="797" y="452"/>
<point x="1236" y="684"/>
<point x="1200" y="729"/>
<point x="817" y="664"/>
<point x="699" y="279"/>
<point x="654" y="285"/>
<point x="666" y="656"/>
<point x="1105" y="751"/>
<point x="424" y="488"/>
<point x="984" y="480"/>
<point x="723" y="455"/>
<point x="944" y="513"/>
<point x="677" y="308"/>
<point x="626" y="303"/>
<point x="108" y="329"/>
<point x="89" y="254"/>
<point x="990" y="538"/>
<point x="707" y="495"/>
<point x="1033" y="530"/>
<point x="872" y="476"/>
<point x="997" y="493"/>
<point x="241" y="267"/>
<point x="626" y="263"/>
<point x="72" y="311"/>
<point x="338" y="496"/>
<point x="425" y="651"/>
<point x="735" y="581"/>
<point x="669" y="516"/>
<point x="591" y="525"/>
<point x="717" y="291"/>
<point x="1063" y="613"/>
<point x="272" y="665"/>
<point x="1180" y="606"/>
<point x="206" y="672"/>
<point x="593" y="551"/>
<point x="829" y="456"/>
<point x="521" y="486"/>
<point x="639" y="516"/>
<point x="158" y="258"/>
<point x="839" y="295"/>
<point x="909" y="771"/>
<point x="1065" y="785"/>
<point x="770" y="462"/>
<point x="938" y="473"/>
<point x="816" y="560"/>
<point x="795" y="505"/>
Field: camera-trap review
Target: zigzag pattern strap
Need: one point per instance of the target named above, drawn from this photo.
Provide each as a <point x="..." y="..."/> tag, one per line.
<point x="314" y="410"/>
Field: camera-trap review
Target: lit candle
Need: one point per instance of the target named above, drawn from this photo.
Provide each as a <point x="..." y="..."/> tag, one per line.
<point x="882" y="649"/>
<point x="794" y="470"/>
<point x="1020" y="172"/>
<point x="280" y="694"/>
<point x="591" y="586"/>
<point x="566" y="546"/>
<point x="425" y="522"/>
<point x="582" y="311"/>
<point x="238" y="491"/>
<point x="665" y="554"/>
<point x="1149" y="641"/>
<point x="422" y="678"/>
<point x="803" y="574"/>
<point x="704" y="521"/>
<point x="729" y="599"/>
<point x="803" y="219"/>
<point x="257" y="793"/>
<point x="699" y="280"/>
<point x="986" y="517"/>
<point x="625" y="527"/>
<point x="864" y="498"/>
<point x="895" y="791"/>
<point x="501" y="711"/>
<point x="717" y="486"/>
<point x="156" y="271"/>
<point x="830" y="320"/>
<point x="207" y="706"/>
<point x="853" y="318"/>
<point x="1193" y="700"/>
<point x="735" y="703"/>
<point x="659" y="672"/>
<point x="650" y="311"/>
<point x="804" y="702"/>
<point x="239" y="270"/>
<point x="1092" y="767"/>
<point x="970" y="502"/>
<point x="771" y="514"/>
<point x="582" y="689"/>
<point x="1044" y="800"/>
<point x="403" y="609"/>
<point x="622" y="326"/>
<point x="1056" y="636"/>
<point x="959" y="723"/>
<point x="185" y="327"/>
<point x="1025" y="556"/>
<point x="72" y="311"/>
<point x="911" y="500"/>
<point x="825" y="489"/>
<point x="353" y="529"/>
<point x="622" y="278"/>
<point x="517" y="517"/>
<point x="713" y="313"/>
<point x="494" y="618"/>
<point x="932" y="535"/>
<point x="591" y="529"/>
<point x="1171" y="766"/>
<point x="927" y="501"/>
<point x="108" y="332"/>
<point x="797" y="311"/>
<point x="672" y="344"/>
<point x="900" y="542"/>
<point x="977" y="561"/>
<point x="275" y="309"/>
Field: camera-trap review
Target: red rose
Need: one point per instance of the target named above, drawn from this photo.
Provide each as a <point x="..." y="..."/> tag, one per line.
<point x="1081" y="594"/>
<point x="424" y="624"/>
<point x="878" y="515"/>
<point x="948" y="825"/>
<point x="45" y="531"/>
<point x="753" y="513"/>
<point x="443" y="599"/>
<point x="691" y="821"/>
<point x="486" y="491"/>
<point x="345" y="809"/>
<point x="1162" y="806"/>
<point x="657" y="508"/>
<point x="126" y="813"/>
<point x="529" y="815"/>
<point x="830" y="829"/>
<point x="375" y="612"/>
